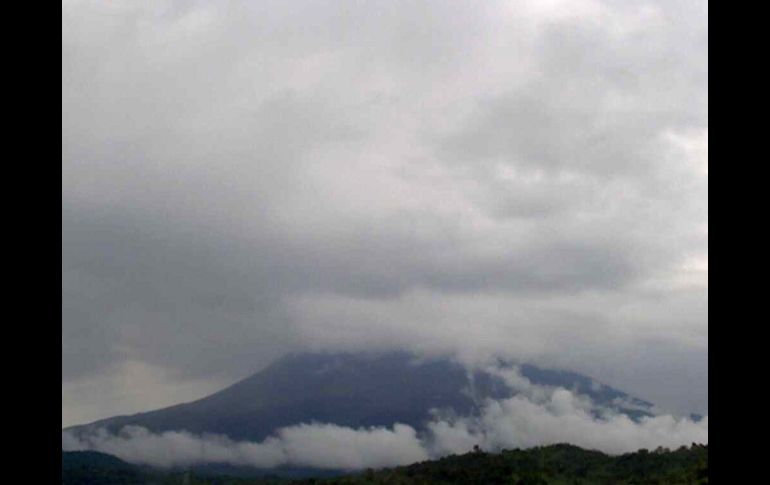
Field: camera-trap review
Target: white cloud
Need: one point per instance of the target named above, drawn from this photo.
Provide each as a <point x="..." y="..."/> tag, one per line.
<point x="315" y="445"/>
<point x="563" y="418"/>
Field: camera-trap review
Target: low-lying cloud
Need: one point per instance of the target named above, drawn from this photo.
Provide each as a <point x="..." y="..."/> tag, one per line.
<point x="316" y="445"/>
<point x="563" y="418"/>
<point x="535" y="415"/>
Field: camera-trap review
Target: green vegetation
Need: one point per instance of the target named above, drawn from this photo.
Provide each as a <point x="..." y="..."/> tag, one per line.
<point x="92" y="468"/>
<point x="550" y="465"/>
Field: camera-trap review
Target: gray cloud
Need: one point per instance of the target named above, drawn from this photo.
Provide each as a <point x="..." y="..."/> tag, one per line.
<point x="526" y="178"/>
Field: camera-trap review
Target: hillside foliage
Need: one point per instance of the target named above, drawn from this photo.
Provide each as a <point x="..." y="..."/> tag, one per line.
<point x="549" y="465"/>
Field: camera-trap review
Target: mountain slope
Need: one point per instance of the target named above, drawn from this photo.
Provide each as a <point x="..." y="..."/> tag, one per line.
<point x="356" y="390"/>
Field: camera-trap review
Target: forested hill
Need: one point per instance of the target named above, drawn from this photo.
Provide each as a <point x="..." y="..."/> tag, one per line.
<point x="550" y="465"/>
<point x="556" y="464"/>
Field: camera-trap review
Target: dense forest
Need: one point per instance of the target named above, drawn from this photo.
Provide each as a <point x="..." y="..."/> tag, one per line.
<point x="549" y="465"/>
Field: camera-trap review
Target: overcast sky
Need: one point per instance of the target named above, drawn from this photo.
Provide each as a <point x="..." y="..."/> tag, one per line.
<point x="525" y="178"/>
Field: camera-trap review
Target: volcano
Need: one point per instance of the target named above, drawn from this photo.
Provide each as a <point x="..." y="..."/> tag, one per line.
<point x="355" y="390"/>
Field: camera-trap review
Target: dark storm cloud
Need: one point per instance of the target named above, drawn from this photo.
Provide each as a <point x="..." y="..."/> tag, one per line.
<point x="246" y="179"/>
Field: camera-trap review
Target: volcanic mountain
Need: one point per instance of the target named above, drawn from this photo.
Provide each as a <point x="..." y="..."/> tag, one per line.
<point x="355" y="390"/>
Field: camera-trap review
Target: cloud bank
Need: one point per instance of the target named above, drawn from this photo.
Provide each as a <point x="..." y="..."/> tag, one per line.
<point x="536" y="415"/>
<point x="314" y="445"/>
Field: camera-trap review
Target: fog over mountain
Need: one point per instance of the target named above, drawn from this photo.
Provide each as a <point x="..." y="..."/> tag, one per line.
<point x="352" y="411"/>
<point x="524" y="180"/>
